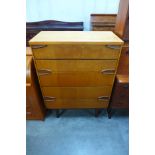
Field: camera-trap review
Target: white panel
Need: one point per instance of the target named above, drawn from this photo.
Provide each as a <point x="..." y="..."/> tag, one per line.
<point x="68" y="10"/>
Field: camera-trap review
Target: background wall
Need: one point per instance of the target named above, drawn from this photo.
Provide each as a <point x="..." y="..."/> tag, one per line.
<point x="68" y="10"/>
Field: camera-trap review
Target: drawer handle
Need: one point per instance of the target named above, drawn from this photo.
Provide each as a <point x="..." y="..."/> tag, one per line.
<point x="49" y="98"/>
<point x="44" y="72"/>
<point x="116" y="47"/>
<point x="38" y="46"/>
<point x="103" y="98"/>
<point x="108" y="71"/>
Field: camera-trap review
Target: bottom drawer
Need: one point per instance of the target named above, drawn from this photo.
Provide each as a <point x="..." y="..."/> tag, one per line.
<point x="76" y="92"/>
<point x="78" y="103"/>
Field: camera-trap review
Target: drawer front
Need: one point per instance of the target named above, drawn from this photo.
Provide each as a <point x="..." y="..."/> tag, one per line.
<point x="103" y="28"/>
<point x="76" y="51"/>
<point x="101" y="93"/>
<point x="59" y="66"/>
<point x="76" y="72"/>
<point x="81" y="79"/>
<point x="79" y="103"/>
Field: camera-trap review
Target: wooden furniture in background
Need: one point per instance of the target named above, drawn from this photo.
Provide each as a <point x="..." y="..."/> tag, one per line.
<point x="32" y="28"/>
<point x="123" y="67"/>
<point x="28" y="51"/>
<point x="103" y="22"/>
<point x="76" y="69"/>
<point x="120" y="94"/>
<point x="122" y="30"/>
<point x="122" y="20"/>
<point x="34" y="104"/>
<point x="120" y="97"/>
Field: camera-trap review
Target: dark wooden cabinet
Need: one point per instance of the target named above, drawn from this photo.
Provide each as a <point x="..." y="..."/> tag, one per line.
<point x="120" y="98"/>
<point x="123" y="66"/>
<point x="120" y="93"/>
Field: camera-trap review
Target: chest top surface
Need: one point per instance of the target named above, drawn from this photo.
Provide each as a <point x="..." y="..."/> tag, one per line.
<point x="76" y="37"/>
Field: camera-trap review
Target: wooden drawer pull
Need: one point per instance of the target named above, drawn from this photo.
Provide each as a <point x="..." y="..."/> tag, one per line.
<point x="49" y="98"/>
<point x="44" y="72"/>
<point x="103" y="98"/>
<point x="108" y="71"/>
<point x="38" y="46"/>
<point x="113" y="47"/>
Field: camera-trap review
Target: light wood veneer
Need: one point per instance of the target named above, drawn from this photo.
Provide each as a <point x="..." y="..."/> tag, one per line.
<point x="76" y="69"/>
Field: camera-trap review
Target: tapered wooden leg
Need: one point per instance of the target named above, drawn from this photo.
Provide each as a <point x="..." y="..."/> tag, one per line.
<point x="109" y="112"/>
<point x="57" y="113"/>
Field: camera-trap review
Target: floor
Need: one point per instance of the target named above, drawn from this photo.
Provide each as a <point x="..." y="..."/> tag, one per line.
<point x="78" y="132"/>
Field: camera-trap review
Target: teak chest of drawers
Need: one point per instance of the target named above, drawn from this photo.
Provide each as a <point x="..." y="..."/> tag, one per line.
<point x="76" y="69"/>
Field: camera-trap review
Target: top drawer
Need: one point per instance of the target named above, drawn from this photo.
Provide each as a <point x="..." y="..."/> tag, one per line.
<point x="68" y="51"/>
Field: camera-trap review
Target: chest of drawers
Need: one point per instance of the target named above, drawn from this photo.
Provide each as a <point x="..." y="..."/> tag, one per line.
<point x="76" y="69"/>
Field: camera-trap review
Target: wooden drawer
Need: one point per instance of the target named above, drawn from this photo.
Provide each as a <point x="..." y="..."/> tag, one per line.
<point x="74" y="79"/>
<point x="103" y="18"/>
<point x="72" y="103"/>
<point x="76" y="92"/>
<point x="64" y="51"/>
<point x="59" y="66"/>
<point x="76" y="72"/>
<point x="103" y="28"/>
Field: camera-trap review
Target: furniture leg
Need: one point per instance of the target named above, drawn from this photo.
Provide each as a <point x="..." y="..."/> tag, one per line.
<point x="109" y="112"/>
<point x="57" y="113"/>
